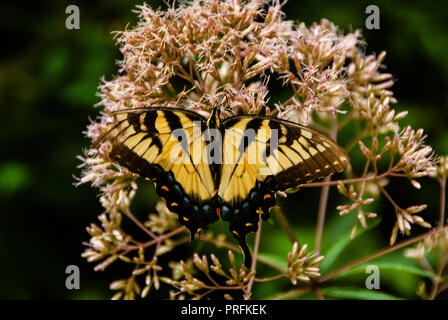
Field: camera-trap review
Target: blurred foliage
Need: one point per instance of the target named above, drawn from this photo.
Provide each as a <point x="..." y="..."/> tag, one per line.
<point x="48" y="82"/>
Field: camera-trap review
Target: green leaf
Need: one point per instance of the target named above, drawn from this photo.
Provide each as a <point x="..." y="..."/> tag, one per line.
<point x="392" y="267"/>
<point x="293" y="294"/>
<point x="357" y="293"/>
<point x="274" y="259"/>
<point x="334" y="251"/>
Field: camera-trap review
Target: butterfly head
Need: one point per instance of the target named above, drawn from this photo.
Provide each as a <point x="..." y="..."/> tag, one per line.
<point x="214" y="121"/>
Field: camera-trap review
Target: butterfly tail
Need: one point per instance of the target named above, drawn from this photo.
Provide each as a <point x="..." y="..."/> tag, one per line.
<point x="246" y="251"/>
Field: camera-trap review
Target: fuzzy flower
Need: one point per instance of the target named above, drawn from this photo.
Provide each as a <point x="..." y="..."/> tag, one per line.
<point x="440" y="170"/>
<point x="163" y="220"/>
<point x="416" y="158"/>
<point x="438" y="243"/>
<point x="405" y="218"/>
<point x="105" y="242"/>
<point x="129" y="288"/>
<point x="204" y="52"/>
<point x="357" y="203"/>
<point x="207" y="53"/>
<point x="185" y="280"/>
<point x="318" y="79"/>
<point x="302" y="266"/>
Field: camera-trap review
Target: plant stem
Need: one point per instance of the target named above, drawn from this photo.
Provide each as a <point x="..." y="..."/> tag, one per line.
<point x="157" y="239"/>
<point x="238" y="250"/>
<point x="443" y="287"/>
<point x="285" y="224"/>
<point x="394" y="204"/>
<point x="361" y="135"/>
<point x="426" y="266"/>
<point x="354" y="180"/>
<point x="436" y="282"/>
<point x="379" y="254"/>
<point x="292" y="294"/>
<point x="442" y="200"/>
<point x="139" y="224"/>
<point x="321" y="215"/>
<point x="223" y="287"/>
<point x="319" y="293"/>
<point x="253" y="267"/>
<point x="278" y="276"/>
<point x="323" y="201"/>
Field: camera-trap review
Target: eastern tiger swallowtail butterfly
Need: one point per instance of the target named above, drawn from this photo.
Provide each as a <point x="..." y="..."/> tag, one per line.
<point x="247" y="160"/>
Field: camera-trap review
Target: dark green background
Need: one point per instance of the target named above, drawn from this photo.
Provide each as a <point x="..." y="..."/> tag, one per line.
<point x="48" y="80"/>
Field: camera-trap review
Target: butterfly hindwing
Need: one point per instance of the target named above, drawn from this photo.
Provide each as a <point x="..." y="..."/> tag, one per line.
<point x="165" y="145"/>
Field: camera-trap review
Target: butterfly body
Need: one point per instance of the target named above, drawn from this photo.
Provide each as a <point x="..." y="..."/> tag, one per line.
<point x="211" y="168"/>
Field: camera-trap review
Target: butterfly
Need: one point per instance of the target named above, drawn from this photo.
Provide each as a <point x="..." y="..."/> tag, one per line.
<point x="211" y="168"/>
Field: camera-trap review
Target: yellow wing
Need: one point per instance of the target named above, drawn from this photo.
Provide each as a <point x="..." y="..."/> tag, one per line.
<point x="166" y="145"/>
<point x="264" y="155"/>
<point x="256" y="148"/>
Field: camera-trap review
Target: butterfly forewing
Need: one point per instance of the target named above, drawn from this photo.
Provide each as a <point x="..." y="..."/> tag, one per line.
<point x="166" y="145"/>
<point x="291" y="153"/>
<point x="305" y="155"/>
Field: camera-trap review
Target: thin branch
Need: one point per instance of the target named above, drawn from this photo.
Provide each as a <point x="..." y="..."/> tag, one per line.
<point x="436" y="282"/>
<point x="396" y="206"/>
<point x="319" y="293"/>
<point x="361" y="135"/>
<point x="129" y="214"/>
<point x="427" y="266"/>
<point x="253" y="267"/>
<point x="354" y="180"/>
<point x="292" y="294"/>
<point x="323" y="201"/>
<point x="285" y="224"/>
<point x="223" y="287"/>
<point x="443" y="287"/>
<point x="276" y="277"/>
<point x="442" y="200"/>
<point x="321" y="214"/>
<point x="237" y="249"/>
<point x="204" y="294"/>
<point x="380" y="253"/>
<point x="156" y="240"/>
